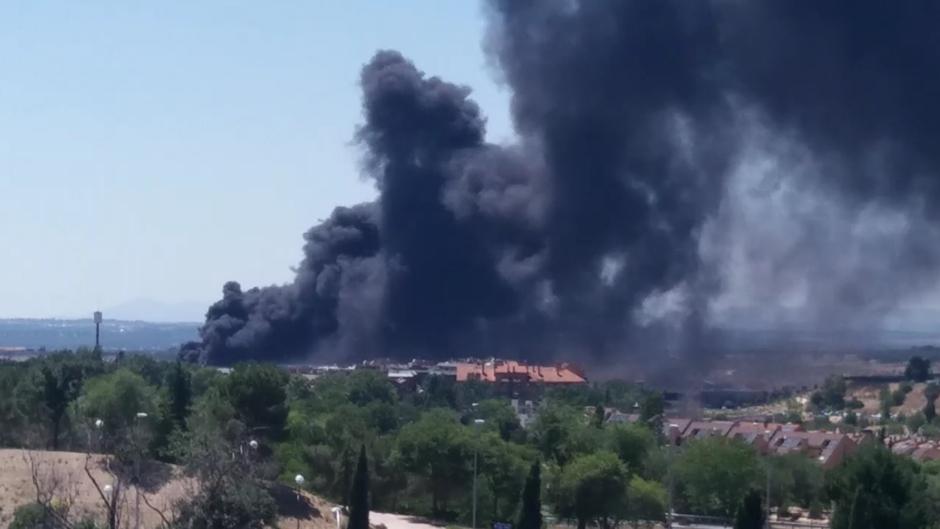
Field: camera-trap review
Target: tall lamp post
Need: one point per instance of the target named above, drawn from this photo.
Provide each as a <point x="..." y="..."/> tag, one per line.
<point x="138" y="449"/>
<point x="767" y="522"/>
<point x="299" y="480"/>
<point x="477" y="423"/>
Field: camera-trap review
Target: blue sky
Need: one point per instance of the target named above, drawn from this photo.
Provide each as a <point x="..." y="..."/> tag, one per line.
<point x="152" y="151"/>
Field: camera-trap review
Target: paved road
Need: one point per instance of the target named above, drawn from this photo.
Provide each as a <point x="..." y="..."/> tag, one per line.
<point x="400" y="521"/>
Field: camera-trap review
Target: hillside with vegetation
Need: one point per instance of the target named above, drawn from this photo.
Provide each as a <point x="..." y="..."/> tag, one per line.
<point x="243" y="443"/>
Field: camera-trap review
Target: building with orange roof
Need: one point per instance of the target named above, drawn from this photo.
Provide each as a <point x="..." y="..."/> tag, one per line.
<point x="517" y="378"/>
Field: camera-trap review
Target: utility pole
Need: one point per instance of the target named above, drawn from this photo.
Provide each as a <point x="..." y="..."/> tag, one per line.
<point x="671" y="470"/>
<point x="475" y="452"/>
<point x="767" y="517"/>
<point x="477" y="423"/>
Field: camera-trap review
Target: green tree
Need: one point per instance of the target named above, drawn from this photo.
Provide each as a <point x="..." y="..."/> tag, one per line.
<point x="32" y="516"/>
<point x="916" y="421"/>
<point x="600" y="414"/>
<point x="559" y="434"/>
<point x="500" y="417"/>
<point x="646" y="501"/>
<point x="367" y="386"/>
<point x="931" y="392"/>
<point x="530" y="515"/>
<point x="831" y="394"/>
<point x="231" y="492"/>
<point x="180" y="394"/>
<point x="750" y="514"/>
<point x="918" y="369"/>
<point x="795" y="480"/>
<point x="885" y="404"/>
<point x="651" y="411"/>
<point x="502" y="465"/>
<point x="592" y="488"/>
<point x="12" y="420"/>
<point x="117" y="398"/>
<point x="54" y="385"/>
<point x="876" y="489"/>
<point x="632" y="443"/>
<point x="851" y="419"/>
<point x="436" y="448"/>
<point x="344" y="479"/>
<point x="715" y="473"/>
<point x="359" y="495"/>
<point x="259" y="396"/>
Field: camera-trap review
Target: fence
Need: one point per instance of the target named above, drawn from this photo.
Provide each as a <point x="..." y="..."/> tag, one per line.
<point x="679" y="520"/>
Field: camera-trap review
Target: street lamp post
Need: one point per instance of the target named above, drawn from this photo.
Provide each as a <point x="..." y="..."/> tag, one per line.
<point x="767" y="523"/>
<point x="299" y="480"/>
<point x="137" y="453"/>
<point x="476" y="450"/>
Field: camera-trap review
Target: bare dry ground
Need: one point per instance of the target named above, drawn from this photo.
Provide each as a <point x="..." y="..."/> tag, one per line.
<point x="163" y="486"/>
<point x="869" y="395"/>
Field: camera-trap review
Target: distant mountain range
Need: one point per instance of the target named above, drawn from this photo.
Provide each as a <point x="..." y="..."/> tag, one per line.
<point x="144" y="309"/>
<point x="115" y="334"/>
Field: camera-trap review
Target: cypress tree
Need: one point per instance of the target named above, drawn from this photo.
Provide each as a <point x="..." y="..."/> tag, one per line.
<point x="359" y="495"/>
<point x="530" y="517"/>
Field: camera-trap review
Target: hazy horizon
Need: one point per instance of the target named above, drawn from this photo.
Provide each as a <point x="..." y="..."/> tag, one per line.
<point x="125" y="126"/>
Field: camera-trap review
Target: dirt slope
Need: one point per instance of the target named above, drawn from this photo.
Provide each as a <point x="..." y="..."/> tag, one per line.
<point x="163" y="487"/>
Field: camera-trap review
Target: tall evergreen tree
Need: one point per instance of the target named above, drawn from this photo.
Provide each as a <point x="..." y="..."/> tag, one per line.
<point x="751" y="514"/>
<point x="530" y="517"/>
<point x="181" y="395"/>
<point x="359" y="495"/>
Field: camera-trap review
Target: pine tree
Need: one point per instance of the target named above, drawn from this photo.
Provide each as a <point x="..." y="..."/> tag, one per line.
<point x="531" y="515"/>
<point x="359" y="495"/>
<point x="750" y="514"/>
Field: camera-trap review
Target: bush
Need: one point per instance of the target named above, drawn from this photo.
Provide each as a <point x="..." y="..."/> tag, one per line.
<point x="854" y="404"/>
<point x="898" y="396"/>
<point x="851" y="418"/>
<point x="29" y="516"/>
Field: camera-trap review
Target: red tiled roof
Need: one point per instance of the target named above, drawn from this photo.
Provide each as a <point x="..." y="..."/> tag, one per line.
<point x="701" y="429"/>
<point x="513" y="370"/>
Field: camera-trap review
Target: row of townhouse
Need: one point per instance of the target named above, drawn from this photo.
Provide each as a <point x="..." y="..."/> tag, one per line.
<point x="914" y="446"/>
<point x="829" y="449"/>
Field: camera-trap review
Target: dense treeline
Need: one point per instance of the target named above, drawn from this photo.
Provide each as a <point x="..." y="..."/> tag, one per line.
<point x="247" y="430"/>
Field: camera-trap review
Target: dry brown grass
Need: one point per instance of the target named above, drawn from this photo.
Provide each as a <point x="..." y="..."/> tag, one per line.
<point x="869" y="395"/>
<point x="167" y="486"/>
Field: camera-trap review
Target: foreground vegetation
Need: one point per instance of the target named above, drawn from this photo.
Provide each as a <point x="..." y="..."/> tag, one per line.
<point x="242" y="432"/>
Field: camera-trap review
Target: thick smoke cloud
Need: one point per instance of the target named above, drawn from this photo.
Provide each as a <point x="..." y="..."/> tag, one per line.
<point x="674" y="159"/>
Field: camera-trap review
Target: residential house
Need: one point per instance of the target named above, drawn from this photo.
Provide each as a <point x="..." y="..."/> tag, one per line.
<point x="828" y="448"/>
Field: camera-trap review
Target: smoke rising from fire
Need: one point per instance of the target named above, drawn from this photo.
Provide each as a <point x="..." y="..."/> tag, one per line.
<point x="673" y="160"/>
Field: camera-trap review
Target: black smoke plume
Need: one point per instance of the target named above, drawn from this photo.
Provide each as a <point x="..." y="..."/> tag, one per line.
<point x="673" y="159"/>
